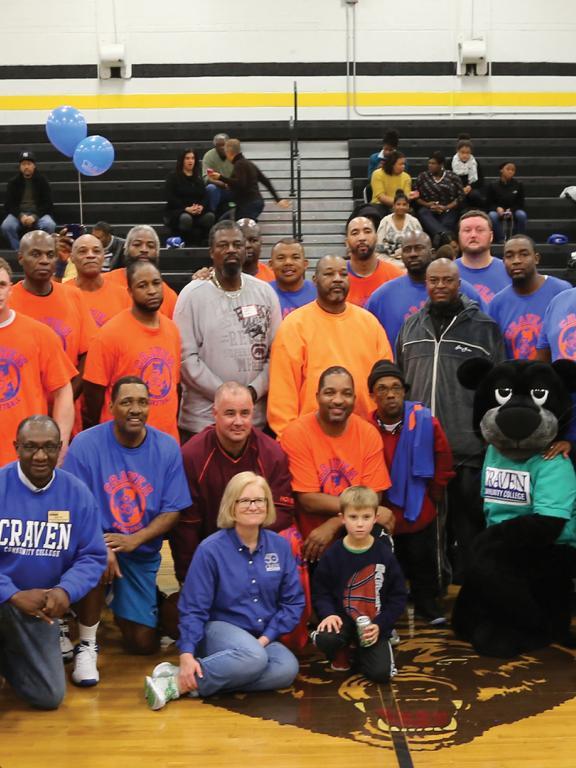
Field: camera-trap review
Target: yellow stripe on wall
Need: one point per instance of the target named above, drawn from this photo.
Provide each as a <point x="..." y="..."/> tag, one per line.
<point x="451" y="99"/>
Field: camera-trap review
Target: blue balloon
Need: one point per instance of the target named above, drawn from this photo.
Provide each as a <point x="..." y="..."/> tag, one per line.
<point x="93" y="156"/>
<point x="65" y="128"/>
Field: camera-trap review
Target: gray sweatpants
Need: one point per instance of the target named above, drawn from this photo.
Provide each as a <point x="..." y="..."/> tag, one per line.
<point x="30" y="658"/>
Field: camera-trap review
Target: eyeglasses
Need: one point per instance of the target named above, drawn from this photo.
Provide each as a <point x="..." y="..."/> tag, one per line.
<point x="395" y="389"/>
<point x="33" y="448"/>
<point x="259" y="501"/>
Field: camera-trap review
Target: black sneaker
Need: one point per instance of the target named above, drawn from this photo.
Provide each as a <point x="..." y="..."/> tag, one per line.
<point x="428" y="609"/>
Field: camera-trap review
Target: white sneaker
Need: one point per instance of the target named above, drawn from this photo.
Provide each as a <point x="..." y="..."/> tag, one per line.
<point x="85" y="672"/>
<point x="395" y="638"/>
<point x="66" y="647"/>
<point x="160" y="690"/>
<point x="165" y="669"/>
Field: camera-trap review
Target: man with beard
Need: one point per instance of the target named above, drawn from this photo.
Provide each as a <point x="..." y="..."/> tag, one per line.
<point x="431" y="345"/>
<point x="142" y="244"/>
<point x="136" y="342"/>
<point x="520" y="308"/>
<point x="366" y="272"/>
<point x="227" y="325"/>
<point x="396" y="300"/>
<point x="329" y="450"/>
<point x="477" y="265"/>
<point x="326" y="332"/>
<point x="253" y="240"/>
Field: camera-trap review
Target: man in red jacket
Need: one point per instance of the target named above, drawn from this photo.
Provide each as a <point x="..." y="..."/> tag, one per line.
<point x="418" y="455"/>
<point x="213" y="457"/>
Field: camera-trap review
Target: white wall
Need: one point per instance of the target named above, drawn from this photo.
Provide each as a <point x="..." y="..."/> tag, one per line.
<point x="65" y="32"/>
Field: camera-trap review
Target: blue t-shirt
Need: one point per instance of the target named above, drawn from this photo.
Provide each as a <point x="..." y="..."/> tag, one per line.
<point x="489" y="280"/>
<point x="559" y="327"/>
<point x="397" y="299"/>
<point x="291" y="300"/>
<point x="132" y="485"/>
<point x="520" y="317"/>
<point x="51" y="538"/>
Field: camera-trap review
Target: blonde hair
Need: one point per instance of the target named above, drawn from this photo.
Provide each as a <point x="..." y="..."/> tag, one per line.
<point x="233" y="492"/>
<point x="358" y="497"/>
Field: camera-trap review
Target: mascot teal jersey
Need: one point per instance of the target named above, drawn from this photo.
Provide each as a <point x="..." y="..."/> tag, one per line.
<point x="535" y="486"/>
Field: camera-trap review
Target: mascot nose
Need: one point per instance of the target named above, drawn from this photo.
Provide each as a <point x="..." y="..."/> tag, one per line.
<point x="518" y="422"/>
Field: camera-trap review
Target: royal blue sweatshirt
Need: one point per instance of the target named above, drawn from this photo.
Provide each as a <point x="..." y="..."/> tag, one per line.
<point x="48" y="539"/>
<point x="351" y="584"/>
<point x="258" y="591"/>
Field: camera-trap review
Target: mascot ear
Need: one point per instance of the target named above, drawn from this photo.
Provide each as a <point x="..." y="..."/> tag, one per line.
<point x="473" y="371"/>
<point x="566" y="369"/>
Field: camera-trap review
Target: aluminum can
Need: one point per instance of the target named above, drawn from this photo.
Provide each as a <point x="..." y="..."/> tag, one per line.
<point x="361" y="623"/>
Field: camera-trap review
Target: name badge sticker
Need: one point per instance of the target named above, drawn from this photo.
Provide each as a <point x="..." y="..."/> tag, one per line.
<point x="250" y="311"/>
<point x="271" y="561"/>
<point x="59" y="516"/>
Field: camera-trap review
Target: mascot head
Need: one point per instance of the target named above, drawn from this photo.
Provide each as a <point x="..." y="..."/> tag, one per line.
<point x="520" y="406"/>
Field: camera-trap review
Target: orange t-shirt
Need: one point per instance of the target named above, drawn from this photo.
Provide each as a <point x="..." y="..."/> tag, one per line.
<point x="62" y="310"/>
<point x="104" y="303"/>
<point x="32" y="366"/>
<point x="361" y="288"/>
<point x="265" y="273"/>
<point x="311" y="340"/>
<point x="321" y="463"/>
<point x="118" y="276"/>
<point x="125" y="347"/>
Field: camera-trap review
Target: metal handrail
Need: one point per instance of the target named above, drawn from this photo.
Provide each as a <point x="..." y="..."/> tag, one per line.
<point x="295" y="172"/>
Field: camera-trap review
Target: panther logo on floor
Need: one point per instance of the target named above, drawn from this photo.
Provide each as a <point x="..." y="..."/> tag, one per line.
<point x="443" y="695"/>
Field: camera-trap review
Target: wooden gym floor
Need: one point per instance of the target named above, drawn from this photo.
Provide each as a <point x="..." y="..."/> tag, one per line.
<point x="446" y="707"/>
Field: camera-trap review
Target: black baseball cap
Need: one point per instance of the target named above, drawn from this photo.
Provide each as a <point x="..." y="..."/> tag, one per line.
<point x="26" y="155"/>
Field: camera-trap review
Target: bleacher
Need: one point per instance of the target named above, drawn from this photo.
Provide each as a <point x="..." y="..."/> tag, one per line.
<point x="132" y="191"/>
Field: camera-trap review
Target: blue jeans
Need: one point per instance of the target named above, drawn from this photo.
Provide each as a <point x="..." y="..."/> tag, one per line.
<point x="217" y="196"/>
<point x="233" y="660"/>
<point x="12" y="228"/>
<point x="30" y="658"/>
<point x="434" y="223"/>
<point x="520" y="219"/>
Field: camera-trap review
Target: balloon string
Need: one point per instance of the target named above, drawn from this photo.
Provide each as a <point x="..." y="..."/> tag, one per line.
<point x="80" y="198"/>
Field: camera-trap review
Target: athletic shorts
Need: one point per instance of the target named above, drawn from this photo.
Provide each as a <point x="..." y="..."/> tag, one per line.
<point x="133" y="597"/>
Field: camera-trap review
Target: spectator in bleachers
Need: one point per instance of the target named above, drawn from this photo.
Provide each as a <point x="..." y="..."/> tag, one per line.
<point x="505" y="200"/>
<point x="328" y="331"/>
<point x="431" y="345"/>
<point x="112" y="244"/>
<point x="519" y="309"/>
<point x="440" y="198"/>
<point x="288" y="262"/>
<point x="366" y="272"/>
<point x="330" y="449"/>
<point x="215" y="159"/>
<point x="396" y="300"/>
<point x="35" y="372"/>
<point x="477" y="265"/>
<point x="394" y="228"/>
<point x="387" y="180"/>
<point x="253" y="244"/>
<point x="389" y="144"/>
<point x="212" y="457"/>
<point x="143" y="244"/>
<point x="186" y="212"/>
<point x="102" y="298"/>
<point x="244" y="181"/>
<point x="469" y="171"/>
<point x="28" y="205"/>
<point x="139" y="341"/>
<point x="227" y="324"/>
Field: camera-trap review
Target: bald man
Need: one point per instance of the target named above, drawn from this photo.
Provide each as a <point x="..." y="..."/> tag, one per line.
<point x="329" y="331"/>
<point x="253" y="243"/>
<point x="103" y="299"/>
<point x="431" y="345"/>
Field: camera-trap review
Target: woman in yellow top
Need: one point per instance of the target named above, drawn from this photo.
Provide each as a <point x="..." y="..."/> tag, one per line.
<point x="387" y="180"/>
